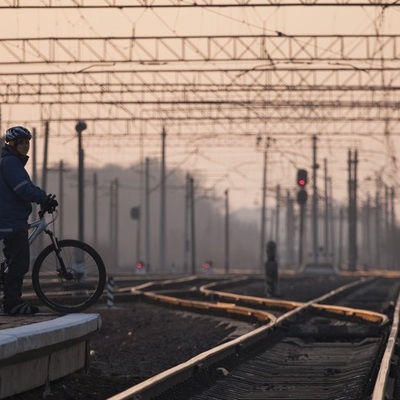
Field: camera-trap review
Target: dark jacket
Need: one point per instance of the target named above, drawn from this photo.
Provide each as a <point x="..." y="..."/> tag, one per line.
<point x="17" y="192"/>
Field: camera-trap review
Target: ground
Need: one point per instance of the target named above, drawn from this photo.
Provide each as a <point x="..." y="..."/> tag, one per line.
<point x="136" y="341"/>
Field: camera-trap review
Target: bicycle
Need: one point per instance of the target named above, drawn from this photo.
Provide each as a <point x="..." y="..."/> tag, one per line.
<point x="68" y="276"/>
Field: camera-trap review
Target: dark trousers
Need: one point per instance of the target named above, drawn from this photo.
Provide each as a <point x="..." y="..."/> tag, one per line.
<point x="16" y="251"/>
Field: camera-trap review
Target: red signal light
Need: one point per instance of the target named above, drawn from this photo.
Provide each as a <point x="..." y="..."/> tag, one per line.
<point x="302" y="177"/>
<point x="208" y="264"/>
<point x="139" y="265"/>
<point x="302" y="182"/>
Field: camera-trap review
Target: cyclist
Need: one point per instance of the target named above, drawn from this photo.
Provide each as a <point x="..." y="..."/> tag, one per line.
<point x="17" y="192"/>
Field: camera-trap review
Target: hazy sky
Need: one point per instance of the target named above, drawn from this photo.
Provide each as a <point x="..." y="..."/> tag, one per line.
<point x="236" y="168"/>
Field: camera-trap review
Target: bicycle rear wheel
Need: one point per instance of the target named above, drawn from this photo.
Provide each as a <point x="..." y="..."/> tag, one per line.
<point x="75" y="291"/>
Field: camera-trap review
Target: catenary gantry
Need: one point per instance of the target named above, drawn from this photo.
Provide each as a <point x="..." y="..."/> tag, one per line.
<point x="190" y="3"/>
<point x="300" y="84"/>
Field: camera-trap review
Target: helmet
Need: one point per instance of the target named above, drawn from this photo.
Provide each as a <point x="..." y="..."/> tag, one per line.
<point x="17" y="132"/>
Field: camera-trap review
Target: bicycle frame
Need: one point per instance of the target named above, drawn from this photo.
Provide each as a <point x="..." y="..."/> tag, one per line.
<point x="39" y="226"/>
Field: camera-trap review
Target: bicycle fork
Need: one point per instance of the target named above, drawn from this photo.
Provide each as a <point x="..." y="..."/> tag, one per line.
<point x="62" y="272"/>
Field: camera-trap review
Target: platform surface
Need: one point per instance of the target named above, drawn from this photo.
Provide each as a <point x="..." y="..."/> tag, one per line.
<point x="42" y="348"/>
<point x="7" y="321"/>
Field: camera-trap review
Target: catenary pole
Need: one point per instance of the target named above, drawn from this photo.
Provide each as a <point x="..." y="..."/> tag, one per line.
<point x="193" y="225"/>
<point x="95" y="209"/>
<point x="80" y="127"/>
<point x="227" y="261"/>
<point x="147" y="212"/>
<point x="162" y="203"/>
<point x="186" y="241"/>
<point x="45" y="155"/>
<point x="326" y="210"/>
<point x="264" y="205"/>
<point x="315" y="201"/>
<point x="61" y="194"/>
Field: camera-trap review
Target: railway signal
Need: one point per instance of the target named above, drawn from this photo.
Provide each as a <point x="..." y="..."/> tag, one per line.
<point x="208" y="264"/>
<point x="140" y="265"/>
<point x="302" y="178"/>
<point x="302" y="196"/>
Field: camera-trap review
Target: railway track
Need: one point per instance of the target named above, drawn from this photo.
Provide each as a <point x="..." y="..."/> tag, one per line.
<point x="329" y="347"/>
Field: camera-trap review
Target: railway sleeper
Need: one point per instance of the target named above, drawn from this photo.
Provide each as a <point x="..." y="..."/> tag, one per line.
<point x="336" y="332"/>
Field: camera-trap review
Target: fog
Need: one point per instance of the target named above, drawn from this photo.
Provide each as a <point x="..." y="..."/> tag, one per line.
<point x="209" y="218"/>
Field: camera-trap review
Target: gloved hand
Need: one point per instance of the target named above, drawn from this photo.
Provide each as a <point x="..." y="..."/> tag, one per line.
<point x="51" y="203"/>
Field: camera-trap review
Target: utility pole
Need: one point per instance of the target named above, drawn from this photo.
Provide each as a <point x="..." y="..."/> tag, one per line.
<point x="264" y="204"/>
<point x="278" y="211"/>
<point x="326" y="220"/>
<point x="34" y="162"/>
<point x="95" y="209"/>
<point x="387" y="232"/>
<point x="367" y="231"/>
<point x="377" y="229"/>
<point x="315" y="166"/>
<point x="192" y="224"/>
<point x="34" y="166"/>
<point x="80" y="127"/>
<point x="36" y="244"/>
<point x="289" y="231"/>
<point x="162" y="203"/>
<point x="332" y="219"/>
<point x="226" y="231"/>
<point x="45" y="168"/>
<point x="45" y="155"/>
<point x="61" y="194"/>
<point x="147" y="212"/>
<point x="113" y="240"/>
<point x="116" y="238"/>
<point x="392" y="239"/>
<point x="353" y="160"/>
<point x="186" y="241"/>
<point x="340" y="236"/>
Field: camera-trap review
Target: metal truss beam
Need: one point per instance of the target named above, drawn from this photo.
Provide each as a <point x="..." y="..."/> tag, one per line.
<point x="208" y="127"/>
<point x="84" y="4"/>
<point x="277" y="78"/>
<point x="193" y="95"/>
<point x="268" y="49"/>
<point x="246" y="104"/>
<point x="232" y="119"/>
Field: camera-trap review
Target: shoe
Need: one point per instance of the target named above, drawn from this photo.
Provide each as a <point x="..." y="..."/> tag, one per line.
<point x="21" y="308"/>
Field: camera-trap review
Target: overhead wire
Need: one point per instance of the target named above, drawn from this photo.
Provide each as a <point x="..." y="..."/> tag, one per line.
<point x="208" y="10"/>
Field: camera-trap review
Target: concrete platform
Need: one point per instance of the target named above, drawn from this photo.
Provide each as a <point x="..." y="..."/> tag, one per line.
<point x="38" y="349"/>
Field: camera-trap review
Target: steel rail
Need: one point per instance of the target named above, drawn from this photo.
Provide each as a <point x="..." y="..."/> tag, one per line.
<point x="367" y="315"/>
<point x="381" y="384"/>
<point x="159" y="383"/>
<point x="229" y="308"/>
<point x="285" y="304"/>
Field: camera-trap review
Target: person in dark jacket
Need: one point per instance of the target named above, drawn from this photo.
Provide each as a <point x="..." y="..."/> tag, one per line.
<point x="17" y="193"/>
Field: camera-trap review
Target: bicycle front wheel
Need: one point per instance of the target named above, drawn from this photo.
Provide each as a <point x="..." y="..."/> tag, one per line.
<point x="73" y="288"/>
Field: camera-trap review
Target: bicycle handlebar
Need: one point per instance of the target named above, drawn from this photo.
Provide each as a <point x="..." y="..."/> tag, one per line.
<point x="50" y="207"/>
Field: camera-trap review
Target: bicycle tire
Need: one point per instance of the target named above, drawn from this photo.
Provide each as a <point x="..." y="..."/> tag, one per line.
<point x="78" y="293"/>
